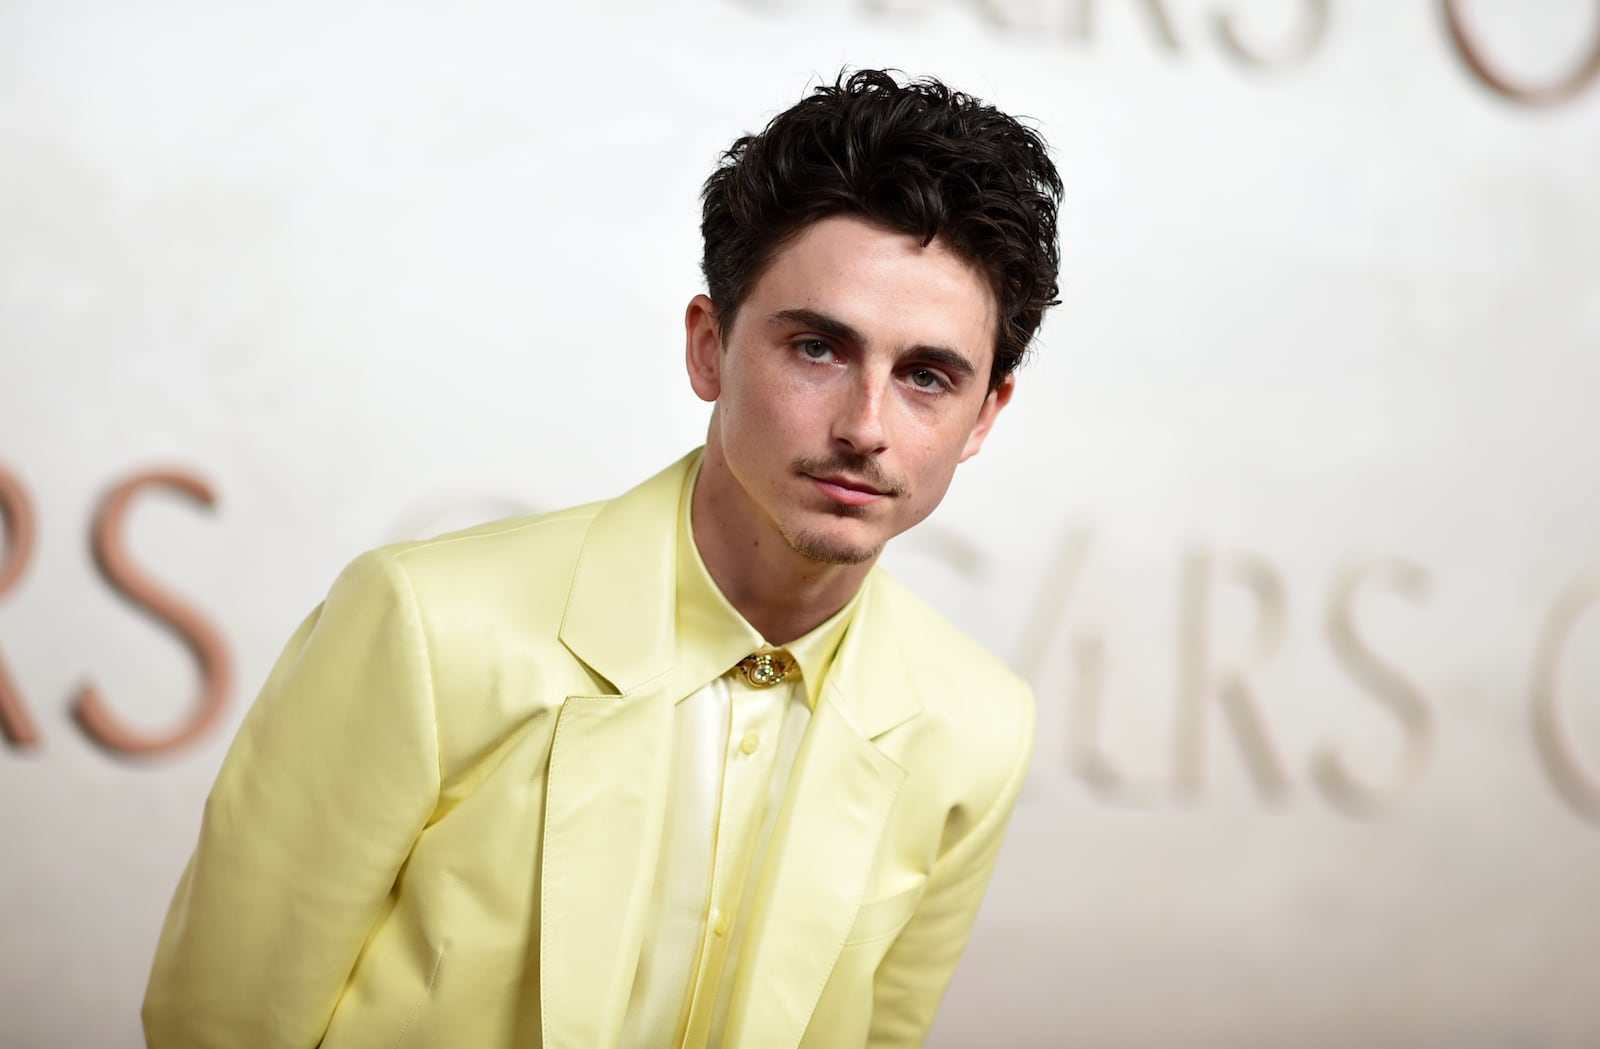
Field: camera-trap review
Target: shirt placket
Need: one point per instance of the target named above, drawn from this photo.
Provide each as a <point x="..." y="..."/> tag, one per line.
<point x="755" y="718"/>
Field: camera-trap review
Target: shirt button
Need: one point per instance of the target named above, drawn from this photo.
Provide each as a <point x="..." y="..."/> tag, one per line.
<point x="719" y="922"/>
<point x="750" y="742"/>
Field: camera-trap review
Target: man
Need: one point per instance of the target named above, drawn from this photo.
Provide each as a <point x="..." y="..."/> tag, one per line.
<point x="681" y="768"/>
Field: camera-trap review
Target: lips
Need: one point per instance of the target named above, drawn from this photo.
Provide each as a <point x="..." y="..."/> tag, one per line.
<point x="847" y="491"/>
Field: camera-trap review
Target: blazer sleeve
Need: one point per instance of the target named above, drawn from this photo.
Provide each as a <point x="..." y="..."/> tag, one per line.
<point x="913" y="975"/>
<point x="334" y="773"/>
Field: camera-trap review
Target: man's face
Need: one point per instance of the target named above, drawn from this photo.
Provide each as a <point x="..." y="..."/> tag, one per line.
<point x="853" y="380"/>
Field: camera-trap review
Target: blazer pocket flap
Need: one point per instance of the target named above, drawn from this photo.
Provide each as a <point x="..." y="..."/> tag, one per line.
<point x="879" y="918"/>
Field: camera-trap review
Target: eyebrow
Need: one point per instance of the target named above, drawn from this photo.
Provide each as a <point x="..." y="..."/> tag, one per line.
<point x="943" y="356"/>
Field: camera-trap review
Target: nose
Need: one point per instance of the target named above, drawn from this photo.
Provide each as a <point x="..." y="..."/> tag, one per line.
<point x="858" y="424"/>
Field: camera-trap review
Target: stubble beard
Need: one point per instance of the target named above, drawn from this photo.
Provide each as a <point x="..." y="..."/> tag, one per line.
<point x="825" y="549"/>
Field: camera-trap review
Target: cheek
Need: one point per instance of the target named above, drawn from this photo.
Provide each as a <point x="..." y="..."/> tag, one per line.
<point x="937" y="461"/>
<point x="788" y="411"/>
<point x="767" y="427"/>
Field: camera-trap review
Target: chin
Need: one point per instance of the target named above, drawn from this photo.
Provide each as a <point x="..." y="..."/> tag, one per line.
<point x="830" y="549"/>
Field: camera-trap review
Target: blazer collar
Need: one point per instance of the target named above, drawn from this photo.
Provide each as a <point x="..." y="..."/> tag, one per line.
<point x="619" y="614"/>
<point x="874" y="682"/>
<point x="619" y="618"/>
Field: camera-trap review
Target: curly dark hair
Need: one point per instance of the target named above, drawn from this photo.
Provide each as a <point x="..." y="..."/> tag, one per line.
<point x="915" y="157"/>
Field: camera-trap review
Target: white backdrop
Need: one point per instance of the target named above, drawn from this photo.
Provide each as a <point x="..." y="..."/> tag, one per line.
<point x="1294" y="522"/>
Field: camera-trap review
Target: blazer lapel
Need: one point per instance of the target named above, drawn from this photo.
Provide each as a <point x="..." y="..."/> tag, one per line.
<point x="609" y="766"/>
<point x="607" y="779"/>
<point x="619" y="618"/>
<point x="840" y="796"/>
<point x="602" y="835"/>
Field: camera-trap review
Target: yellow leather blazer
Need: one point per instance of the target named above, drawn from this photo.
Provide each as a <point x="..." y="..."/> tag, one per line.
<point x="438" y="824"/>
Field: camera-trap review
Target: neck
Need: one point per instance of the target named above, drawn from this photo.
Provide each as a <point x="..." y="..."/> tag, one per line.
<point x="781" y="593"/>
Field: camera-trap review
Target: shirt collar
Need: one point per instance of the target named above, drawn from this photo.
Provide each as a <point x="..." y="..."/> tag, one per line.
<point x="711" y="634"/>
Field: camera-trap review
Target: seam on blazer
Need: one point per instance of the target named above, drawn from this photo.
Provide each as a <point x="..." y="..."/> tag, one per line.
<point x="425" y="656"/>
<point x="417" y="1008"/>
<point x="544" y="876"/>
<point x="898" y="900"/>
<point x="1004" y="801"/>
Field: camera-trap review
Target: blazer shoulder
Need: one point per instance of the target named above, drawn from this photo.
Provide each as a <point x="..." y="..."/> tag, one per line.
<point x="963" y="686"/>
<point x="495" y="538"/>
<point x="955" y="661"/>
<point x="502" y="578"/>
<point x="972" y="744"/>
<point x="531" y="552"/>
<point x="539" y="553"/>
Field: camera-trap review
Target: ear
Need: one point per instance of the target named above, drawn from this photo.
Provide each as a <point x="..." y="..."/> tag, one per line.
<point x="702" y="349"/>
<point x="997" y="399"/>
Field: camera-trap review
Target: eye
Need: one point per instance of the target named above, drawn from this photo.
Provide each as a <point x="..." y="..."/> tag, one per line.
<point x="814" y="349"/>
<point x="928" y="379"/>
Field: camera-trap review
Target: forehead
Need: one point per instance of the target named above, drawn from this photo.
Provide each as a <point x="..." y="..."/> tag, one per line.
<point x="886" y="284"/>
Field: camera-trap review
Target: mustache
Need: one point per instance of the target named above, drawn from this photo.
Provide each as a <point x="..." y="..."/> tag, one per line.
<point x="862" y="468"/>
